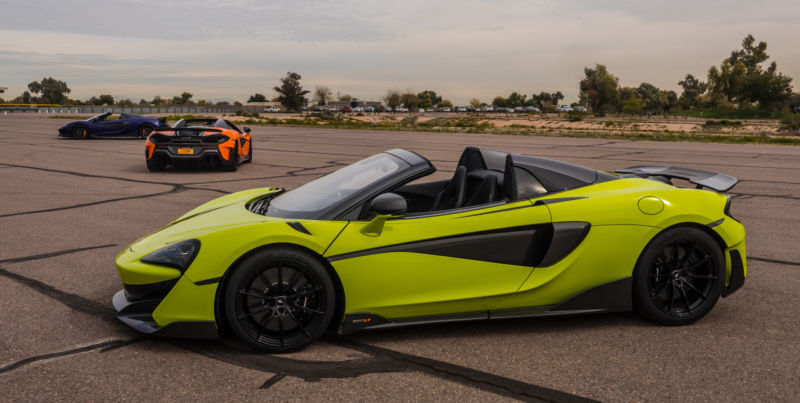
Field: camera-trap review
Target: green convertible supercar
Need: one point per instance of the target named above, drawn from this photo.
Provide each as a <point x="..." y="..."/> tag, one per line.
<point x="371" y="246"/>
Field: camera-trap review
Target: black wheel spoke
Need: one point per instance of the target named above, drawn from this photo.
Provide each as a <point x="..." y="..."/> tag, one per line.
<point x="698" y="264"/>
<point x="685" y="299"/>
<point x="300" y="325"/>
<point x="264" y="279"/>
<point x="295" y="278"/>
<point x="252" y="294"/>
<point x="307" y="292"/>
<point x="253" y="312"/>
<point x="660" y="289"/>
<point x="688" y="254"/>
<point x="692" y="275"/>
<point x="305" y="308"/>
<point x="671" y="296"/>
<point x="693" y="288"/>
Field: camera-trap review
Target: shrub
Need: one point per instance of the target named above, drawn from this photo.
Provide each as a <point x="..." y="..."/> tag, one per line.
<point x="790" y="123"/>
<point x="409" y="121"/>
<point x="575" y="116"/>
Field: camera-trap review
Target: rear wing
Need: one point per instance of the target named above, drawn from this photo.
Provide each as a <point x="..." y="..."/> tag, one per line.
<point x="712" y="180"/>
<point x="187" y="131"/>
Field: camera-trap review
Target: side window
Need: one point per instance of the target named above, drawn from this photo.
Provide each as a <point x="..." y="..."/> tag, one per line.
<point x="527" y="184"/>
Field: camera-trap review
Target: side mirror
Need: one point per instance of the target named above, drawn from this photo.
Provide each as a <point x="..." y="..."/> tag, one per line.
<point x="384" y="206"/>
<point x="247" y="130"/>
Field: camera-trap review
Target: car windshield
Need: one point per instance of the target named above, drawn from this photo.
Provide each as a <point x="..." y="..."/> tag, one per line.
<point x="336" y="186"/>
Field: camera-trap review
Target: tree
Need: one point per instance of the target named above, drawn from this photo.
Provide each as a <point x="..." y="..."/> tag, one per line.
<point x="601" y="88"/>
<point x="344" y="97"/>
<point x="202" y="102"/>
<point x="2" y="101"/>
<point x="669" y="100"/>
<point x="742" y="79"/>
<point x="499" y="101"/>
<point x="410" y="100"/>
<point x="632" y="105"/>
<point x="392" y="98"/>
<point x="125" y="103"/>
<point x="157" y="101"/>
<point x="257" y="98"/>
<point x="516" y="99"/>
<point x="292" y="95"/>
<point x="53" y="91"/>
<point x="184" y="99"/>
<point x="105" y="99"/>
<point x="142" y="102"/>
<point x="541" y="99"/>
<point x="556" y="97"/>
<point x="424" y="99"/>
<point x="322" y="95"/>
<point x="434" y="97"/>
<point x="445" y="103"/>
<point x="692" y="90"/>
<point x="223" y="103"/>
<point x="650" y="97"/>
<point x="475" y="103"/>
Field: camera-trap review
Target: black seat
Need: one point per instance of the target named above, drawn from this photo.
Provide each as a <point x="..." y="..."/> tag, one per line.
<point x="452" y="196"/>
<point x="486" y="192"/>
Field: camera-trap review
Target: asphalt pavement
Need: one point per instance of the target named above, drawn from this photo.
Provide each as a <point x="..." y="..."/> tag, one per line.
<point x="67" y="207"/>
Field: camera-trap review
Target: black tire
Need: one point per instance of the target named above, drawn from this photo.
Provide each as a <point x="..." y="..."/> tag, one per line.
<point x="145" y="130"/>
<point x="279" y="300"/>
<point x="80" y="132"/>
<point x="154" y="164"/>
<point x="233" y="162"/>
<point x="250" y="151"/>
<point x="679" y="277"/>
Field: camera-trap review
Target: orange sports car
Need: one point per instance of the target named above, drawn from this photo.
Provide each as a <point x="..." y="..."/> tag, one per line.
<point x="199" y="142"/>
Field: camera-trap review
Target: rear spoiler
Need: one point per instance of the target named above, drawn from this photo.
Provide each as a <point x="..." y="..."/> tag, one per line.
<point x="196" y="131"/>
<point x="711" y="180"/>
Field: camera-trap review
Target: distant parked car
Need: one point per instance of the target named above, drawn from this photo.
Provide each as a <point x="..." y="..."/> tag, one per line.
<point x="271" y="109"/>
<point x="519" y="109"/>
<point x="369" y="109"/>
<point x="461" y="109"/>
<point x="346" y="109"/>
<point x="429" y="110"/>
<point x="532" y="109"/>
<point x="487" y="108"/>
<point x="444" y="109"/>
<point x="358" y="109"/>
<point x="564" y="108"/>
<point x="580" y="108"/>
<point x="319" y="108"/>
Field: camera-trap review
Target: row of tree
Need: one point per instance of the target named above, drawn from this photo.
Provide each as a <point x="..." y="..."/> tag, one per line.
<point x="742" y="81"/>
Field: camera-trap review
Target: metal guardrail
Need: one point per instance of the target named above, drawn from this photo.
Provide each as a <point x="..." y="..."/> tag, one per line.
<point x="117" y="109"/>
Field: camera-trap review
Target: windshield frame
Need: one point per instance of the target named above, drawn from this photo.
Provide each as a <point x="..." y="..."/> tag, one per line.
<point x="417" y="166"/>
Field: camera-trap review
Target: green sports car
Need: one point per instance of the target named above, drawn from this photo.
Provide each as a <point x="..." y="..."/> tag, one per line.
<point x="371" y="246"/>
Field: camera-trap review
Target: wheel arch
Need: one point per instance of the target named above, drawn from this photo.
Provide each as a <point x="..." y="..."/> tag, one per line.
<point x="688" y="224"/>
<point x="219" y="300"/>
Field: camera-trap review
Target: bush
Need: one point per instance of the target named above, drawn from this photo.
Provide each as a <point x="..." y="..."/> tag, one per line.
<point x="722" y="123"/>
<point x="790" y="123"/>
<point x="409" y="121"/>
<point x="575" y="116"/>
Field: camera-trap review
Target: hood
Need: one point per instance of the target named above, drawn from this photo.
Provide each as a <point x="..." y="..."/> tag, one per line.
<point x="225" y="211"/>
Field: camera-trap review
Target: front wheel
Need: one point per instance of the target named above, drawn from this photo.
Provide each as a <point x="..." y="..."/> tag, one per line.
<point x="679" y="277"/>
<point x="279" y="300"/>
<point x="80" y="132"/>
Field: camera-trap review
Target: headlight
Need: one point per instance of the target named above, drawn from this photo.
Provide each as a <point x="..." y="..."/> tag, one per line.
<point x="179" y="255"/>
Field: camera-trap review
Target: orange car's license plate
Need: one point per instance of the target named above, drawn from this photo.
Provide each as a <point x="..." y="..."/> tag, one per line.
<point x="186" y="150"/>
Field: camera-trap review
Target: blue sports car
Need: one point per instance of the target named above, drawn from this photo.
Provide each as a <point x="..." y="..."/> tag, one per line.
<point x="127" y="124"/>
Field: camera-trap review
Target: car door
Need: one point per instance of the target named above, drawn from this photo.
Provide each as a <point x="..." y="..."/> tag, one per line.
<point x="459" y="261"/>
<point x="109" y="127"/>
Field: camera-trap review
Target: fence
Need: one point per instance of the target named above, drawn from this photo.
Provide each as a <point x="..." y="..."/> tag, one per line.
<point x="118" y="109"/>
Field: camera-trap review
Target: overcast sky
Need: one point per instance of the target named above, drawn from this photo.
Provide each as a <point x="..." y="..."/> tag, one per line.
<point x="227" y="50"/>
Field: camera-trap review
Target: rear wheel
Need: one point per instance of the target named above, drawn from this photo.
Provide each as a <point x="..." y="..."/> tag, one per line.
<point x="233" y="160"/>
<point x="679" y="277"/>
<point x="80" y="132"/>
<point x="279" y="300"/>
<point x="155" y="163"/>
<point x="250" y="151"/>
<point x="145" y="131"/>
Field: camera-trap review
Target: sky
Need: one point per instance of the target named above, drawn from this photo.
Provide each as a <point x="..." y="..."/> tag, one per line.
<point x="228" y="50"/>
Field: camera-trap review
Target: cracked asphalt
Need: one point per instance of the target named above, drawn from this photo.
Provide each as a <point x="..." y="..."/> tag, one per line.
<point x="67" y="207"/>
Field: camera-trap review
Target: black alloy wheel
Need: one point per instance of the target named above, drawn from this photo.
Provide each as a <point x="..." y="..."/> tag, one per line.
<point x="145" y="131"/>
<point x="80" y="132"/>
<point x="679" y="277"/>
<point x="155" y="163"/>
<point x="279" y="300"/>
<point x="232" y="164"/>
